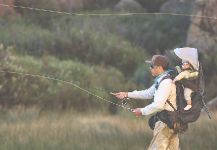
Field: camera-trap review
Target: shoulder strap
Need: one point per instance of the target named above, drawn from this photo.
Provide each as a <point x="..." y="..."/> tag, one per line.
<point x="158" y="83"/>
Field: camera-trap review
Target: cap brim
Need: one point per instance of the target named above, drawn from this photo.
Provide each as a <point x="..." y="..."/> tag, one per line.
<point x="148" y="61"/>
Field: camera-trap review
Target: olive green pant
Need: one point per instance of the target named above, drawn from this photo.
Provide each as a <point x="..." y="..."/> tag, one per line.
<point x="164" y="138"/>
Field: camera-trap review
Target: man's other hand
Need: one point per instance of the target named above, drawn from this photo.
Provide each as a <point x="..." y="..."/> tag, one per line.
<point x="137" y="112"/>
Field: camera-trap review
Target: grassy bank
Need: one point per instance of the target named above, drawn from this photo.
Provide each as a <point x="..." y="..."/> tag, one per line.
<point x="30" y="130"/>
<point x="201" y="135"/>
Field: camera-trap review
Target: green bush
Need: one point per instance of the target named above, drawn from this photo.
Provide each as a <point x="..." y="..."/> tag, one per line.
<point x="151" y="6"/>
<point x="142" y="76"/>
<point x="34" y="90"/>
<point x="93" y="40"/>
<point x="98" y="4"/>
<point x="42" y="18"/>
<point x="153" y="33"/>
<point x="25" y="37"/>
<point x="156" y="33"/>
<point x="66" y="40"/>
<point x="97" y="48"/>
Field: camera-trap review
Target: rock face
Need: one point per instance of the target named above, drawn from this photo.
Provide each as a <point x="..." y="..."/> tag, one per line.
<point x="203" y="31"/>
<point x="7" y="11"/>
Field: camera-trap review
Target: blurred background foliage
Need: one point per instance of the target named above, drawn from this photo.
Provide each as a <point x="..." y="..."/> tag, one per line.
<point x="33" y="90"/>
<point x="100" y="53"/>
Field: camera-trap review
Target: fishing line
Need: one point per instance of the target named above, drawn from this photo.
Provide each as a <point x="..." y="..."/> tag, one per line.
<point x="105" y="14"/>
<point x="66" y="82"/>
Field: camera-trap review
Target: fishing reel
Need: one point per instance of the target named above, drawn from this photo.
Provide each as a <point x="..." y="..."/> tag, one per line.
<point x="124" y="101"/>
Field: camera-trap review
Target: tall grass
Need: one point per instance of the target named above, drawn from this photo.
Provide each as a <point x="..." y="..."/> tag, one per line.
<point x="30" y="130"/>
<point x="201" y="134"/>
<point x="71" y="132"/>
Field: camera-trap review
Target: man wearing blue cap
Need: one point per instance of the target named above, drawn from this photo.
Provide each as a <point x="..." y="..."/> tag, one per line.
<point x="161" y="91"/>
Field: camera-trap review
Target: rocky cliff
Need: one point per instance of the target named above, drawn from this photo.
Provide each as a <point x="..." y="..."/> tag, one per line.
<point x="5" y="11"/>
<point x="203" y="31"/>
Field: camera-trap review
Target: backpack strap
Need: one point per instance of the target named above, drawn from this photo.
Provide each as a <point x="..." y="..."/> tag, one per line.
<point x="158" y="83"/>
<point x="171" y="105"/>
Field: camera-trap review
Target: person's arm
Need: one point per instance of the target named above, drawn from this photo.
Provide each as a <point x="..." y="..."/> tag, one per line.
<point x="181" y="75"/>
<point x="143" y="94"/>
<point x="192" y="75"/>
<point x="160" y="98"/>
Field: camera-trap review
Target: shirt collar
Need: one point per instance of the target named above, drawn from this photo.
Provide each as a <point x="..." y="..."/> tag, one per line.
<point x="159" y="77"/>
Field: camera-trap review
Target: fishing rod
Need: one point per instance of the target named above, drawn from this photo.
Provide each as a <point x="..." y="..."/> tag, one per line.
<point x="72" y="84"/>
<point x="105" y="14"/>
<point x="123" y="101"/>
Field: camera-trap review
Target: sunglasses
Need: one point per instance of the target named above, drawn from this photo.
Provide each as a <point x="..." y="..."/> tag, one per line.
<point x="151" y="66"/>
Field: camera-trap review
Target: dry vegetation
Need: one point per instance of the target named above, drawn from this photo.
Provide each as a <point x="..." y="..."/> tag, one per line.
<point x="28" y="129"/>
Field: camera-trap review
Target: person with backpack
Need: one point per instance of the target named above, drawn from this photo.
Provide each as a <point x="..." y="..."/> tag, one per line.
<point x="163" y="93"/>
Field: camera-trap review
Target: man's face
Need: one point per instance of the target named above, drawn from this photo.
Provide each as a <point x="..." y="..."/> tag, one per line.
<point x="155" y="70"/>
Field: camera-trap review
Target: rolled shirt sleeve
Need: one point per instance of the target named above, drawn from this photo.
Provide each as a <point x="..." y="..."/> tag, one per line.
<point x="143" y="94"/>
<point x="160" y="97"/>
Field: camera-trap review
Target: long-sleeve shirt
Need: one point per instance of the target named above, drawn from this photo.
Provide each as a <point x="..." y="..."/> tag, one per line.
<point x="165" y="91"/>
